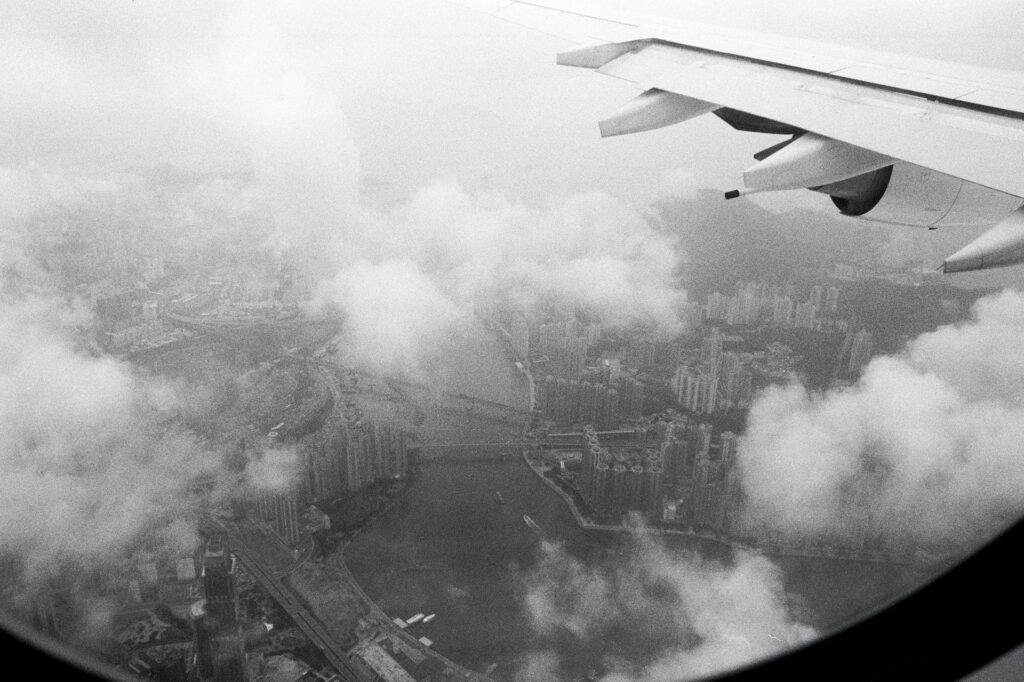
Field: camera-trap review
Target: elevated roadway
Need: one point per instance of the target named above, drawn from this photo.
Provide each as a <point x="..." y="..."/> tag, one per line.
<point x="310" y="625"/>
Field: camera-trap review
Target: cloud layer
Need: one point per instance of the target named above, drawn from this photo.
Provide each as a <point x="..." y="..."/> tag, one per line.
<point x="925" y="447"/>
<point x="693" y="616"/>
<point x="92" y="455"/>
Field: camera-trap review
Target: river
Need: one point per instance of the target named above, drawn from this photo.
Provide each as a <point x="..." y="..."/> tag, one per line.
<point x="449" y="547"/>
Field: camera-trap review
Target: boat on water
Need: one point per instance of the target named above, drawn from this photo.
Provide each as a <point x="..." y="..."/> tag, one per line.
<point x="499" y="498"/>
<point x="530" y="522"/>
<point x="430" y="618"/>
<point x="414" y="619"/>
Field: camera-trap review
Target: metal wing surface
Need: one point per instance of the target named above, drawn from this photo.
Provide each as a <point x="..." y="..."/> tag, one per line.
<point x="954" y="133"/>
<point x="960" y="120"/>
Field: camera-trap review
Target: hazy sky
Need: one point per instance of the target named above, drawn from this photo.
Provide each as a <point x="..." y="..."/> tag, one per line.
<point x="428" y="89"/>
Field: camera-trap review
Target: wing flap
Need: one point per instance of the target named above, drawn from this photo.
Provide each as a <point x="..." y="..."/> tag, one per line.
<point x="983" y="148"/>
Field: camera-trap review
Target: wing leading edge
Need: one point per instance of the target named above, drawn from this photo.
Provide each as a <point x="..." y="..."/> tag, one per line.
<point x="890" y="138"/>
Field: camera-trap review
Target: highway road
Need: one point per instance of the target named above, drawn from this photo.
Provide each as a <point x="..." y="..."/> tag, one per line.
<point x="303" y="617"/>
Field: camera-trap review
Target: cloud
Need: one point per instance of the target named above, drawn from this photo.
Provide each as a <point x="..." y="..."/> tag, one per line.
<point x="587" y="252"/>
<point x="922" y="449"/>
<point x="273" y="470"/>
<point x="220" y="139"/>
<point x="252" y="88"/>
<point x="81" y="470"/>
<point x="93" y="454"/>
<point x="693" y="616"/>
<point x="394" y="315"/>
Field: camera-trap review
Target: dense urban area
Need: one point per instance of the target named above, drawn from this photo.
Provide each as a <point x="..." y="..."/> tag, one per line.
<point x="617" y="421"/>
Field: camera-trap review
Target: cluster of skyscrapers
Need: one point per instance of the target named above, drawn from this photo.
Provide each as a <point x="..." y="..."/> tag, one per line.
<point x="614" y="480"/>
<point x="861" y="345"/>
<point x="561" y="346"/>
<point x="757" y="302"/>
<point x="351" y="456"/>
<point x="717" y="380"/>
<point x="701" y="484"/>
<point x="567" y="401"/>
<point x="594" y="399"/>
<point x="673" y="471"/>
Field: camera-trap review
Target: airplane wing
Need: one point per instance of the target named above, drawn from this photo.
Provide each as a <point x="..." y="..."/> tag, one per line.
<point x="890" y="138"/>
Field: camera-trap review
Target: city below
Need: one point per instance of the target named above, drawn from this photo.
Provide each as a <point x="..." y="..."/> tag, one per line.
<point x="628" y="431"/>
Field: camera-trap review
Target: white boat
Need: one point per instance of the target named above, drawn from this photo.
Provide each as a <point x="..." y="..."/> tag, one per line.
<point x="430" y="618"/>
<point x="530" y="522"/>
<point x="414" y="619"/>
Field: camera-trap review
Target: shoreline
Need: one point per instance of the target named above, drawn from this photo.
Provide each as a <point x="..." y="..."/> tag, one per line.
<point x="385" y="622"/>
<point x="586" y="524"/>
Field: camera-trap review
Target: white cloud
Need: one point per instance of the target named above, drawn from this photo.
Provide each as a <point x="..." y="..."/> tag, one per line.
<point x="924" y="447"/>
<point x="707" y="615"/>
<point x="393" y="315"/>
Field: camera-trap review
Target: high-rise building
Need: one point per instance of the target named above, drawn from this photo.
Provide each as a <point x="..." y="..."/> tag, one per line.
<point x="832" y="300"/>
<point x="611" y="407"/>
<point x="816" y="293"/>
<point x="738" y="386"/>
<point x="283" y="511"/>
<point x="734" y="311"/>
<point x="650" y="492"/>
<point x="698" y="391"/>
<point x="641" y="353"/>
<point x="326" y="469"/>
<point x="782" y="312"/>
<point x="574" y="355"/>
<point x="588" y="412"/>
<point x="630" y="397"/>
<point x="615" y="482"/>
<point x="372" y="452"/>
<point x="718" y="307"/>
<point x="601" y="487"/>
<point x="711" y="349"/>
<point x="805" y="314"/>
<point x="698" y="441"/>
<point x="674" y="450"/>
<point x="860" y="350"/>
<point x="619" y="493"/>
<point x="547" y="397"/>
<point x="219" y="650"/>
<point x="692" y="314"/>
<point x="728" y="442"/>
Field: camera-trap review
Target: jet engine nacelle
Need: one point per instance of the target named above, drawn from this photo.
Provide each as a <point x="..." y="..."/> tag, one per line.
<point x="905" y="194"/>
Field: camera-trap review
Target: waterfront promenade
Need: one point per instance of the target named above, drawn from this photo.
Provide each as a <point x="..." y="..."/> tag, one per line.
<point x="587" y="524"/>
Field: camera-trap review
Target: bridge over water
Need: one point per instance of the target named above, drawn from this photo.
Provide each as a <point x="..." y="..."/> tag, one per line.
<point x="479" y="451"/>
<point x="490" y="450"/>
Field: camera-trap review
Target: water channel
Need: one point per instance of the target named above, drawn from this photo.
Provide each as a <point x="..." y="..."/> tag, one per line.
<point x="449" y="547"/>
